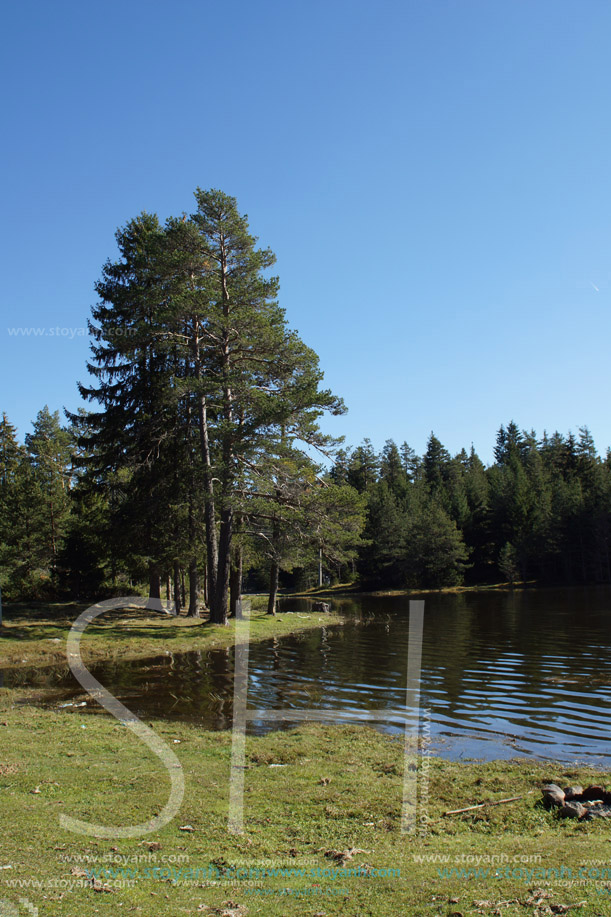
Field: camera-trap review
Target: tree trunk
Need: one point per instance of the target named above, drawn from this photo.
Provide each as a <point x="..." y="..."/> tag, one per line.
<point x="235" y="586"/>
<point x="219" y="597"/>
<point x="183" y="592"/>
<point x="193" y="586"/>
<point x="319" y="567"/>
<point x="168" y="589"/>
<point x="273" y="588"/>
<point x="154" y="583"/>
<point x="219" y="588"/>
<point x="209" y="514"/>
<point x="53" y="541"/>
<point x="193" y="574"/>
<point x="177" y="605"/>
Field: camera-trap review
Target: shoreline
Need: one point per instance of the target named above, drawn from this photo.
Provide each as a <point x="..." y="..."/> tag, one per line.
<point x="346" y="590"/>
<point x="39" y="637"/>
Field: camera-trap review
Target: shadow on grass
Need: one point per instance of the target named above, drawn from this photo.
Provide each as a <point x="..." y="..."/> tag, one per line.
<point x="32" y="622"/>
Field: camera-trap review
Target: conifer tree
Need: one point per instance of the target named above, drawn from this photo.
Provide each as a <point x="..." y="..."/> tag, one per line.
<point x="12" y="457"/>
<point x="435" y="463"/>
<point x="197" y="375"/>
<point x="49" y="447"/>
<point x="257" y="382"/>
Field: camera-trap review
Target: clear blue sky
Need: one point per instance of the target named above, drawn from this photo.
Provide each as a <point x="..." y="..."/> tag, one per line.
<point x="434" y="177"/>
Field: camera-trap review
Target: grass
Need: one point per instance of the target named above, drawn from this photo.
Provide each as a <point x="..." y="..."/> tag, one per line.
<point x="36" y="635"/>
<point x="339" y="791"/>
<point x="333" y="806"/>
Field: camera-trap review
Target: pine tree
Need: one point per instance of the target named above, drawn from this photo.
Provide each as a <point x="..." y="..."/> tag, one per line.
<point x="476" y="530"/>
<point x="259" y="381"/>
<point x="434" y="553"/>
<point x="12" y="457"/>
<point x="363" y="467"/>
<point x="140" y="445"/>
<point x="335" y="519"/>
<point x="24" y="548"/>
<point x="379" y="561"/>
<point x="393" y="471"/>
<point x="198" y="375"/>
<point x="411" y="462"/>
<point x="11" y="453"/>
<point x="49" y="447"/>
<point x="509" y="443"/>
<point x="435" y="463"/>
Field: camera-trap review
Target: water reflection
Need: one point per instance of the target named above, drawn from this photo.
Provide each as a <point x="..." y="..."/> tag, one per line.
<point x="502" y="674"/>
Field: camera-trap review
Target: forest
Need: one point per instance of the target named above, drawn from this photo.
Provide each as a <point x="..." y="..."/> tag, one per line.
<point x="201" y="468"/>
<point x="541" y="512"/>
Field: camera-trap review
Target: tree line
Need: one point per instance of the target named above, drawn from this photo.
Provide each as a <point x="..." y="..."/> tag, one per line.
<point x="541" y="511"/>
<point x="200" y="464"/>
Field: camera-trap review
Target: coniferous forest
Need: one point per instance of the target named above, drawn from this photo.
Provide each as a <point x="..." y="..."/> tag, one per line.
<point x="200" y="468"/>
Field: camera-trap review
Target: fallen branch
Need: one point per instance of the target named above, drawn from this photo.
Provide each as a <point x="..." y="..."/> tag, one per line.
<point x="491" y="802"/>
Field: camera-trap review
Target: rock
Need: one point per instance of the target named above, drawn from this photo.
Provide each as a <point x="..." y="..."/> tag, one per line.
<point x="600" y="811"/>
<point x="571" y="791"/>
<point x="323" y="607"/>
<point x="594" y="792"/>
<point x="573" y="810"/>
<point x="552" y="795"/>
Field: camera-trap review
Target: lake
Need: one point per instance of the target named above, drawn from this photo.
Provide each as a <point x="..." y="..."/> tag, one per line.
<point x="503" y="674"/>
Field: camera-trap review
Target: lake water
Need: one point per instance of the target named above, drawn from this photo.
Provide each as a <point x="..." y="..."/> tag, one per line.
<point x="503" y="674"/>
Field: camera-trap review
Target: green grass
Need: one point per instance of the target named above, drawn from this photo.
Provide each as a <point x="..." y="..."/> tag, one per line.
<point x="340" y="788"/>
<point x="36" y="635"/>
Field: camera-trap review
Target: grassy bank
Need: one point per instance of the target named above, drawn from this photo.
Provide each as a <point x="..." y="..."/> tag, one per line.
<point x="332" y="803"/>
<point x="36" y="635"/>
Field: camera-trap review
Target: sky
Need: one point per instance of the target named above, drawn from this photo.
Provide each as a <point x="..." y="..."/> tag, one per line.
<point x="434" y="178"/>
